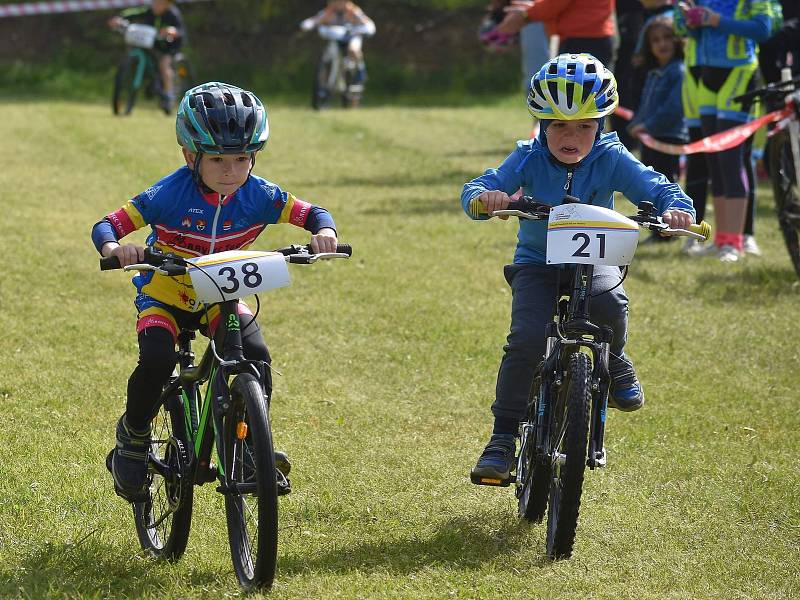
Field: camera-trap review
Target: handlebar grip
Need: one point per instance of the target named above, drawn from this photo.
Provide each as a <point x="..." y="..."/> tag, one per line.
<point x="109" y="262"/>
<point x="702" y="228"/>
<point x="476" y="208"/>
<point x="344" y="249"/>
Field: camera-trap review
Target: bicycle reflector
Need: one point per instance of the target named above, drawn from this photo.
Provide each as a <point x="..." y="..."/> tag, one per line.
<point x="241" y="430"/>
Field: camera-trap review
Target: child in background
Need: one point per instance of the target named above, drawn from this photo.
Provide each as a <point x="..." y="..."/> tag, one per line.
<point x="211" y="204"/>
<point x="571" y="95"/>
<point x="343" y="12"/>
<point x="167" y="19"/>
<point x="660" y="112"/>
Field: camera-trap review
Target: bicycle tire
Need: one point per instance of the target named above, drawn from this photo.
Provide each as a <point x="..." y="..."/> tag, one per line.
<point x="164" y="521"/>
<point x="247" y="454"/>
<point x="184" y="75"/>
<point x="124" y="95"/>
<point x="784" y="189"/>
<point x="321" y="93"/>
<point x="570" y="434"/>
<point x="534" y="471"/>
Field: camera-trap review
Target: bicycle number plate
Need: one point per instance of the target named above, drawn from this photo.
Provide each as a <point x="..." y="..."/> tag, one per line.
<point x="592" y="235"/>
<point x="237" y="273"/>
<point x="141" y="36"/>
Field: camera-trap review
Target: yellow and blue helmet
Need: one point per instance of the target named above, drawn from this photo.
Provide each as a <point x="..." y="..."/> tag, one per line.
<point x="218" y="118"/>
<point x="571" y="87"/>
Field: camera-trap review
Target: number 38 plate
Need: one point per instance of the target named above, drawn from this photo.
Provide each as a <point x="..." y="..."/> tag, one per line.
<point x="593" y="235"/>
<point x="237" y="273"/>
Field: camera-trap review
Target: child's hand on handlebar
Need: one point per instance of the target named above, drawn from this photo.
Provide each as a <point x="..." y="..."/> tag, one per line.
<point x="324" y="241"/>
<point x="127" y="254"/>
<point x="495" y="200"/>
<point x="677" y="219"/>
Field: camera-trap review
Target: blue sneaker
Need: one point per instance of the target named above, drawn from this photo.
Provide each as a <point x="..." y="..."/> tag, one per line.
<point x="497" y="461"/>
<point x="128" y="462"/>
<point x="626" y="392"/>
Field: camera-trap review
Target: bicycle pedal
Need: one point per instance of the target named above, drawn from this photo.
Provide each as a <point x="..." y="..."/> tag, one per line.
<point x="491" y="481"/>
<point x="282" y="483"/>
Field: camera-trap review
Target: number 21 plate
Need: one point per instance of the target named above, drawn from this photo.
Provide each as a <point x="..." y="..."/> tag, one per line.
<point x="593" y="235"/>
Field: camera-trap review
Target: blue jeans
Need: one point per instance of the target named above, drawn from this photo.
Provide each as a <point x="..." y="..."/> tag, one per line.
<point x="533" y="305"/>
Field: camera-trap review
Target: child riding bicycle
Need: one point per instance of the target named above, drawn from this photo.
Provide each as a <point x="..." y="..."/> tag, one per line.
<point x="167" y="19"/>
<point x="343" y="12"/>
<point x="212" y="204"/>
<point x="570" y="95"/>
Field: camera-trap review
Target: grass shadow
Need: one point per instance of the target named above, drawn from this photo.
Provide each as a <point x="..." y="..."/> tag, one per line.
<point x="88" y="567"/>
<point x="460" y="543"/>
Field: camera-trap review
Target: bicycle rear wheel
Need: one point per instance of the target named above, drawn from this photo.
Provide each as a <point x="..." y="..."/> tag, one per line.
<point x="784" y="188"/>
<point x="164" y="521"/>
<point x="533" y="470"/>
<point x="252" y="507"/>
<point x="125" y="85"/>
<point x="569" y="438"/>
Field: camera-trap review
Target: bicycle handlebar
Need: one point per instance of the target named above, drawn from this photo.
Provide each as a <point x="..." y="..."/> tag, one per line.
<point x="528" y="208"/>
<point x="175" y="265"/>
<point x="778" y="89"/>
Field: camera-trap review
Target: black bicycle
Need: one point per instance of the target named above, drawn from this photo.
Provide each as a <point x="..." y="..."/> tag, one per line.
<point x="782" y="158"/>
<point x="138" y="70"/>
<point x="564" y="429"/>
<point x="223" y="402"/>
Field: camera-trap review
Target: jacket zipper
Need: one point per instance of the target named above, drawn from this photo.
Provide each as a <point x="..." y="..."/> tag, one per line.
<point x="214" y="224"/>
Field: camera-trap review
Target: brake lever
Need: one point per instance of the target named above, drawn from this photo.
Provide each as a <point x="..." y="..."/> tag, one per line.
<point x="515" y="213"/>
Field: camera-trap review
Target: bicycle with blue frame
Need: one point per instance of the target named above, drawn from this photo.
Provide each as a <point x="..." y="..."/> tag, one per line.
<point x="212" y="422"/>
<point x="564" y="428"/>
<point x="138" y="69"/>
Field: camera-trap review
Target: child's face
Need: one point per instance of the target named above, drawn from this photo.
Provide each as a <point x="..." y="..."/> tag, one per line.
<point x="223" y="173"/>
<point x="159" y="6"/>
<point x="571" y="141"/>
<point x="662" y="43"/>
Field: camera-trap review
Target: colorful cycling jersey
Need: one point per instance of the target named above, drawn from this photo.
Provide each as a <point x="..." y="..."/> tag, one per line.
<point x="732" y="43"/>
<point x="189" y="223"/>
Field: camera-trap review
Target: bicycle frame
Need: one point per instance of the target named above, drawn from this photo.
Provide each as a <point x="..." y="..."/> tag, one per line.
<point x="334" y="52"/>
<point x="573" y="331"/>
<point x="204" y="420"/>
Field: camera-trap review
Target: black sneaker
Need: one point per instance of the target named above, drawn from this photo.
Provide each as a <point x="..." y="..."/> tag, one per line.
<point x="497" y="461"/>
<point x="128" y="462"/>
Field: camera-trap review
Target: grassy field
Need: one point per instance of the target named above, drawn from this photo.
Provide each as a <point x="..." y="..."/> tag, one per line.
<point x="389" y="364"/>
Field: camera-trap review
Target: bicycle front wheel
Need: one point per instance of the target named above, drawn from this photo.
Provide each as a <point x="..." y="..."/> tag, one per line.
<point x="784" y="188"/>
<point x="533" y="470"/>
<point x="163" y="522"/>
<point x="321" y="94"/>
<point x="569" y="438"/>
<point x="251" y="505"/>
<point x="184" y="75"/>
<point x="125" y="86"/>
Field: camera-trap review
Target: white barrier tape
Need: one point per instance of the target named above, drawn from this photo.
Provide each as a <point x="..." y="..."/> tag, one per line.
<point x="65" y="6"/>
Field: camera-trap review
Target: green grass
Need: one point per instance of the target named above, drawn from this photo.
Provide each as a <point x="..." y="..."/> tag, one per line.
<point x="389" y="363"/>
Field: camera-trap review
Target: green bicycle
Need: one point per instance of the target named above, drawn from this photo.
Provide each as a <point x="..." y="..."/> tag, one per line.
<point x="139" y="66"/>
<point x="222" y="402"/>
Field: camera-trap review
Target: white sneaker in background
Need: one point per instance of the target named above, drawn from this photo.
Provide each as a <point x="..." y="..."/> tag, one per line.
<point x="750" y="246"/>
<point x="689" y="246"/>
<point x="728" y="253"/>
<point x="701" y="249"/>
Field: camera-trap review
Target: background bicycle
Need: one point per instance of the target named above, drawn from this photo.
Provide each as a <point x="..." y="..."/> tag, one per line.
<point x="338" y="74"/>
<point x="224" y="403"/>
<point x="782" y="158"/>
<point x="564" y="430"/>
<point x="138" y="69"/>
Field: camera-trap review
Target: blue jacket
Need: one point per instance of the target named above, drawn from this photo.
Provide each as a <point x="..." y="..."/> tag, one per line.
<point x="609" y="167"/>
<point x="660" y="107"/>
